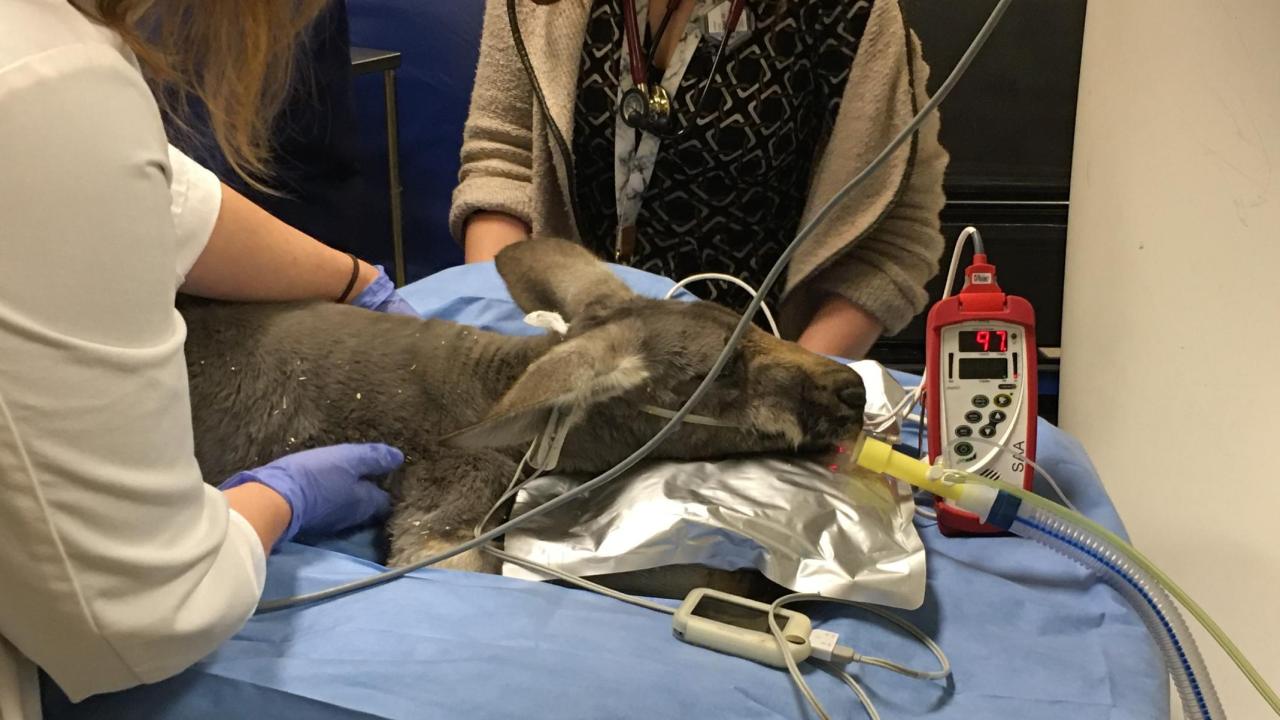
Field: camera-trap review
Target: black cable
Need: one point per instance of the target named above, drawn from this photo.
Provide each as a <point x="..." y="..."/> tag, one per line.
<point x="655" y="39"/>
<point x="565" y="152"/>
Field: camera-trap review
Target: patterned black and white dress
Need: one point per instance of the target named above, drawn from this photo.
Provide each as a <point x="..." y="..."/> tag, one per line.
<point x="728" y="194"/>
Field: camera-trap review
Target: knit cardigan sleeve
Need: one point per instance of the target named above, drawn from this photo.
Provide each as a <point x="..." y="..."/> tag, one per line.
<point x="497" y="157"/>
<point x="880" y="250"/>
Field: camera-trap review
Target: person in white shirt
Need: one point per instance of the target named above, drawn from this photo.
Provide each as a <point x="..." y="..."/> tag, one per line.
<point x="118" y="565"/>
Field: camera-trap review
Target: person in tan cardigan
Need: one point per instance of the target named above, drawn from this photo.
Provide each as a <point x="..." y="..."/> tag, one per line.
<point x="806" y="94"/>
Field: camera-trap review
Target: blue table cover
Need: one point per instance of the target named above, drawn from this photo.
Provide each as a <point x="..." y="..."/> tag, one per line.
<point x="1031" y="635"/>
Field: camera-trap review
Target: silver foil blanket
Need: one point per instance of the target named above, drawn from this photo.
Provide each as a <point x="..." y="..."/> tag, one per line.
<point x="792" y="519"/>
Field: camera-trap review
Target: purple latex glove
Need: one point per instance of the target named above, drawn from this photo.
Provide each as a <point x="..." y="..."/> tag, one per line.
<point x="326" y="487"/>
<point x="381" y="296"/>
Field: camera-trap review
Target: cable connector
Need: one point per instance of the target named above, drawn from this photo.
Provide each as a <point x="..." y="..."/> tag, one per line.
<point x="845" y="655"/>
<point x="825" y="645"/>
<point x="822" y="644"/>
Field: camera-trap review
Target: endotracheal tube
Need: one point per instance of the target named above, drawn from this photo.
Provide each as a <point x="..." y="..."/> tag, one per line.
<point x="1135" y="577"/>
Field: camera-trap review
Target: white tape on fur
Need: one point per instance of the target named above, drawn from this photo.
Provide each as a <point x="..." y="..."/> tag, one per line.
<point x="547" y="320"/>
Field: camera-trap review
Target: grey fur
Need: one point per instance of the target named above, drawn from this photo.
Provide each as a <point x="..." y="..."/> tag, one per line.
<point x="271" y="379"/>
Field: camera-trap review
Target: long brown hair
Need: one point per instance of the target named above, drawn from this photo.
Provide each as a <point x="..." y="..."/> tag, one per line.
<point x="235" y="57"/>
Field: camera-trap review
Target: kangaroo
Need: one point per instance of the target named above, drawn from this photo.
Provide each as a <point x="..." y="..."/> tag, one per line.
<point x="464" y="404"/>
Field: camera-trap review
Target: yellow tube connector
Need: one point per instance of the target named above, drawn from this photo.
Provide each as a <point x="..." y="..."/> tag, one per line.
<point x="880" y="457"/>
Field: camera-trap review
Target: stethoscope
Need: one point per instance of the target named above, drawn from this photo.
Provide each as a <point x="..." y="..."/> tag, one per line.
<point x="647" y="106"/>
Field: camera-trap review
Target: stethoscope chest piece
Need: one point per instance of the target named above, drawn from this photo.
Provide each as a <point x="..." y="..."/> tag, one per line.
<point x="647" y="108"/>
<point x="635" y="107"/>
<point x="659" y="107"/>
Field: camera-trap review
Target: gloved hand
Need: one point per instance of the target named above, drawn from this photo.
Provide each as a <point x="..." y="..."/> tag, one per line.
<point x="381" y="296"/>
<point x="326" y="487"/>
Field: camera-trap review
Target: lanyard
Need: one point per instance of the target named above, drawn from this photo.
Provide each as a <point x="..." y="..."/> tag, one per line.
<point x="634" y="151"/>
<point x="640" y="57"/>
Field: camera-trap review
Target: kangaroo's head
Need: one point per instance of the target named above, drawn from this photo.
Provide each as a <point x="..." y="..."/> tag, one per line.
<point x="626" y="359"/>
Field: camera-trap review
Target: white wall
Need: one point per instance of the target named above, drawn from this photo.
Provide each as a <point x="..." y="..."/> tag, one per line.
<point x="1171" y="369"/>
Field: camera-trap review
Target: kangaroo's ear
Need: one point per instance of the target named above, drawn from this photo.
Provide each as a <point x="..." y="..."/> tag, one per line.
<point x="560" y="276"/>
<point x="594" y="367"/>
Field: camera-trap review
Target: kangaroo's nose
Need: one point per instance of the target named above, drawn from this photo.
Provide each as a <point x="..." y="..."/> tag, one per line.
<point x="853" y="396"/>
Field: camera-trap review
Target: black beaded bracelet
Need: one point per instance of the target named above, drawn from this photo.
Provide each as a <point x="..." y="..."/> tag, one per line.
<point x="355" y="274"/>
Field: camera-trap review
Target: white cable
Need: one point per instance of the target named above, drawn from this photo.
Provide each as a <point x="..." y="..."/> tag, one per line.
<point x="764" y="307"/>
<point x="1038" y="468"/>
<point x="580" y="582"/>
<point x="880" y="423"/>
<point x="513" y="487"/>
<point x="854" y="685"/>
<point x="906" y="404"/>
<point x="1057" y="489"/>
<point x="689" y="418"/>
<point x="846" y="653"/>
<point x="969" y="232"/>
<point x="914" y="397"/>
<point x="924" y="413"/>
<point x="944" y="664"/>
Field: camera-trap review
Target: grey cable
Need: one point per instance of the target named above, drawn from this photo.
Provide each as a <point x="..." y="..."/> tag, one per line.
<point x="1034" y="466"/>
<point x="851" y="655"/>
<point x="847" y="679"/>
<point x="743" y="324"/>
<point x="965" y="235"/>
<point x="513" y="488"/>
<point x="566" y="153"/>
<point x="580" y="582"/>
<point x="978" y="247"/>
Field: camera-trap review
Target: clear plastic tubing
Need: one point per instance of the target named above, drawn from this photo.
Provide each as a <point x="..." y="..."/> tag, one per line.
<point x="1148" y="598"/>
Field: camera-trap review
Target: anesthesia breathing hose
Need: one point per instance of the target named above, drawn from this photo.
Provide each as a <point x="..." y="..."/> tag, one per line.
<point x="1119" y="564"/>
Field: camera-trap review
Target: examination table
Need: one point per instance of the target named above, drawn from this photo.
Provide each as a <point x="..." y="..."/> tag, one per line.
<point x="1031" y="635"/>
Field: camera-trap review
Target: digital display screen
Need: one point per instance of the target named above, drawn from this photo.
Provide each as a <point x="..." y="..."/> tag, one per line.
<point x="713" y="608"/>
<point x="984" y="341"/>
<point x="984" y="368"/>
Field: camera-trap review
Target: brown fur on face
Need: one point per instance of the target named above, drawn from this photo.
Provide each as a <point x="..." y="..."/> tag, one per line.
<point x="780" y="397"/>
<point x="270" y="379"/>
